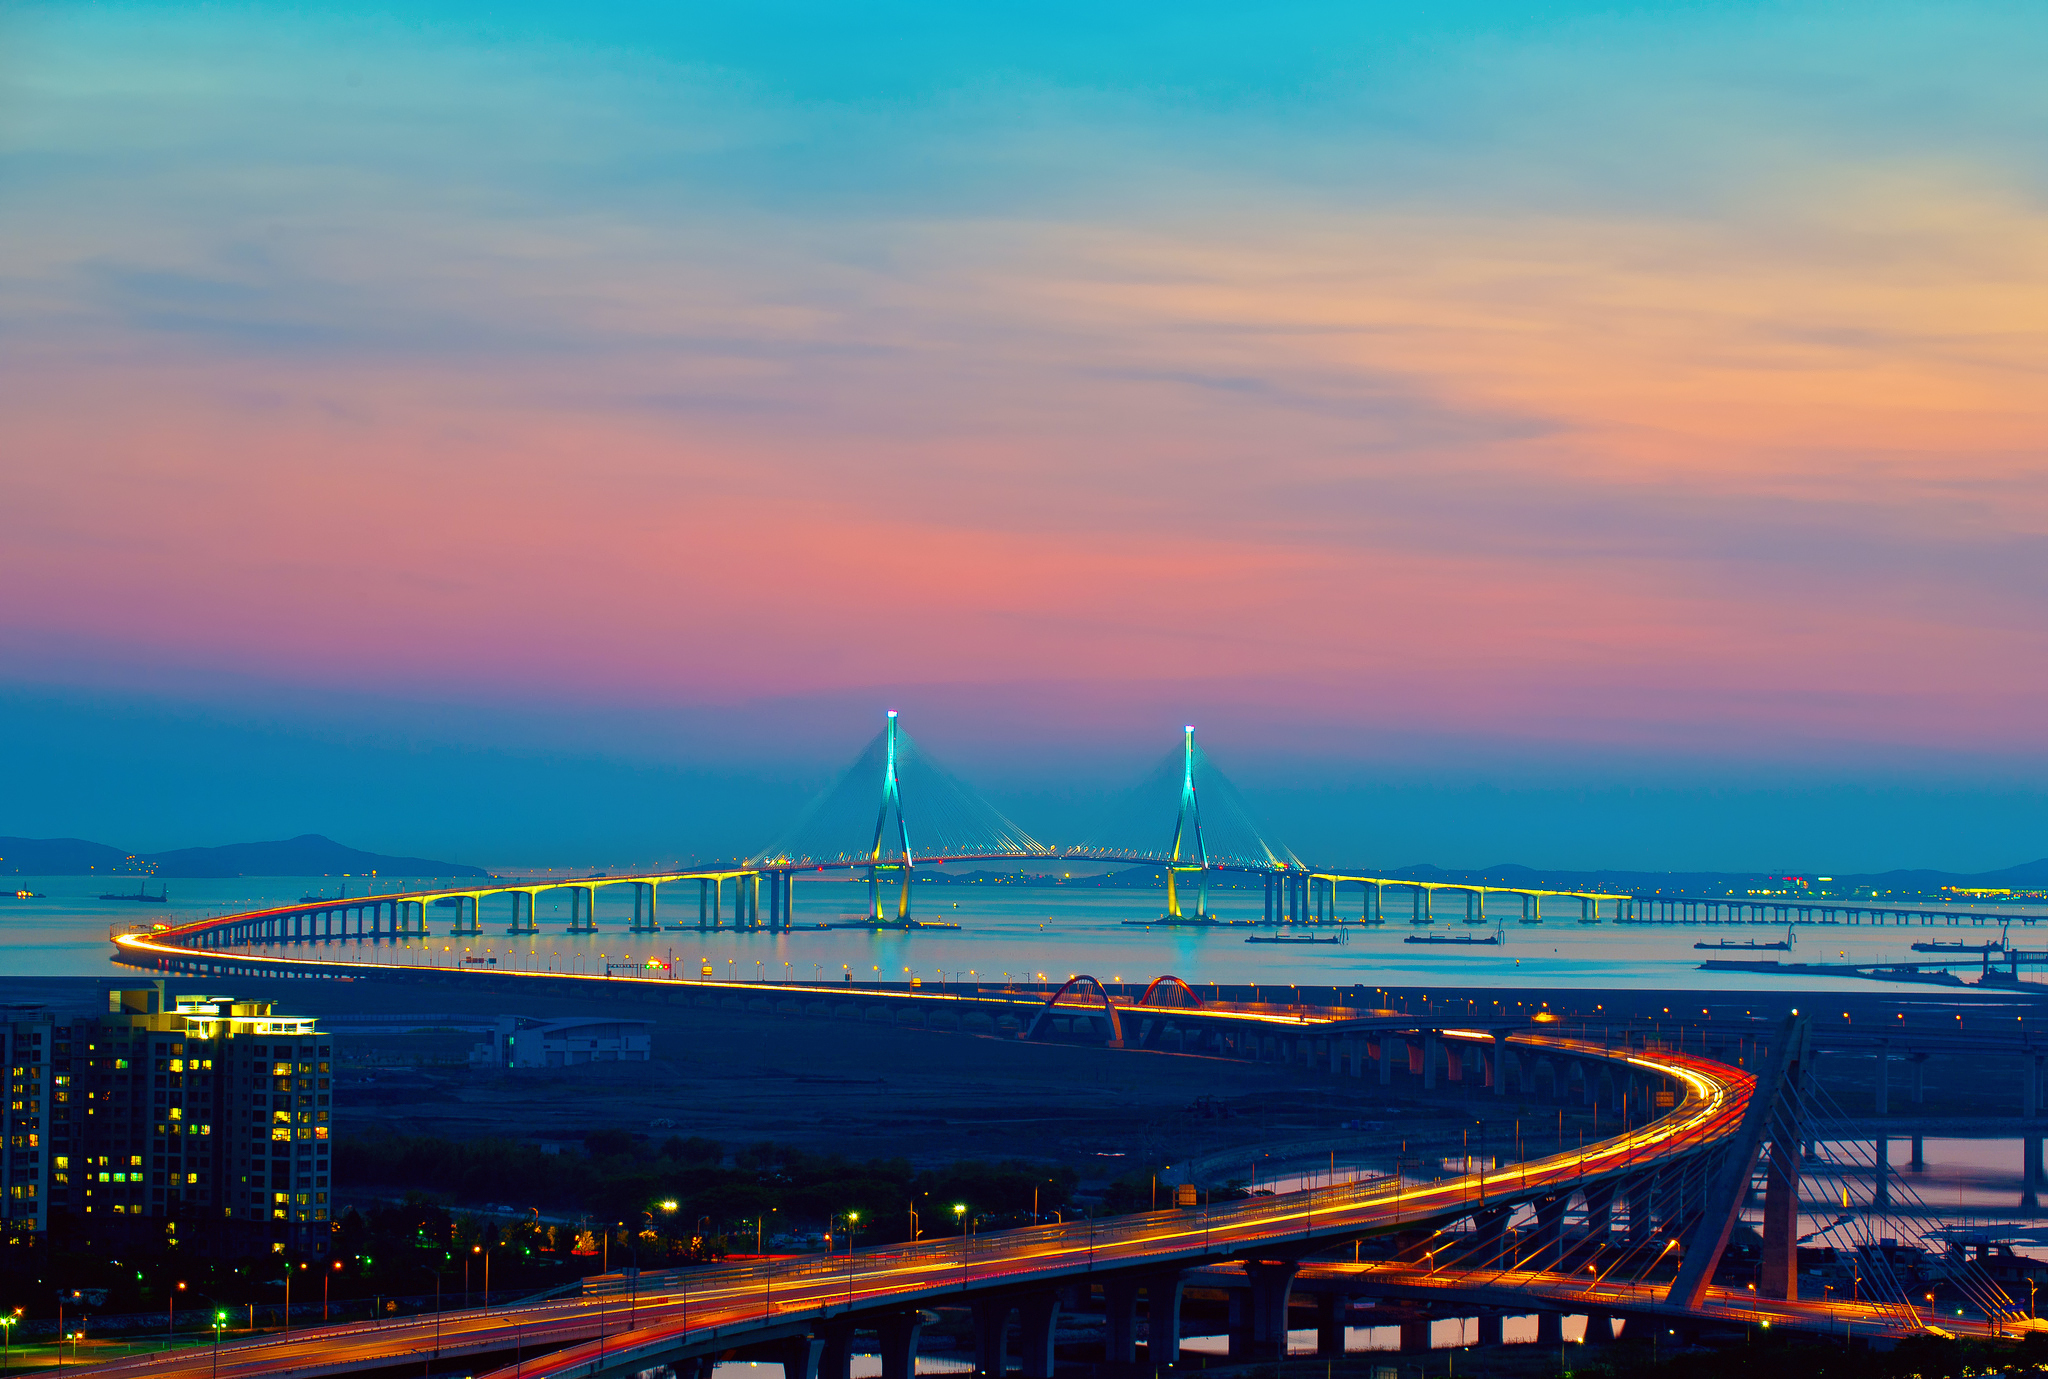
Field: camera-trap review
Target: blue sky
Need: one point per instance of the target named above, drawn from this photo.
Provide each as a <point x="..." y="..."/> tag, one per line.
<point x="1582" y="435"/>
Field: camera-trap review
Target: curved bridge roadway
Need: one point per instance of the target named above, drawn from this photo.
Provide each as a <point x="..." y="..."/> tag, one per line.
<point x="718" y="1310"/>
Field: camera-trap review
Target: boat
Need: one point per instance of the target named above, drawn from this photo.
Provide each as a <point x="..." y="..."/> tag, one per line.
<point x="1749" y="944"/>
<point x="1292" y="938"/>
<point x="1455" y="940"/>
<point x="29" y="895"/>
<point x="324" y="899"/>
<point x="1937" y="946"/>
<point x="142" y="894"/>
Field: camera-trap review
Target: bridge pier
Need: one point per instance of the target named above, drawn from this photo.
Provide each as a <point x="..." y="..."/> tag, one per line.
<point x="1038" y="1318"/>
<point x="835" y="1349"/>
<point x="898" y="1335"/>
<point x="1259" y="1314"/>
<point x="800" y="1356"/>
<point x="1489" y="1328"/>
<point x="1330" y="1309"/>
<point x="1549" y="1328"/>
<point x="991" y="1335"/>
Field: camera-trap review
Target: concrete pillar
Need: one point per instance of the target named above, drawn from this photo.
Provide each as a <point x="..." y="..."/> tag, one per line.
<point x="1388" y="1047"/>
<point x="1162" y="1318"/>
<point x="1548" y="1237"/>
<point x="1599" y="1213"/>
<point x="1919" y="1159"/>
<point x="1330" y="1308"/>
<point x="1881" y="1172"/>
<point x="1884" y="1078"/>
<point x="898" y="1334"/>
<point x="1038" y="1318"/>
<point x="1550" y="1328"/>
<point x="1599" y="1328"/>
<point x="1429" y="1060"/>
<point x="1120" y="1322"/>
<point x="1489" y="1328"/>
<point x="1919" y="1078"/>
<point x="1499" y="1079"/>
<point x="1778" y="1272"/>
<point x="2030" y="1170"/>
<point x="991" y="1336"/>
<point x="800" y="1356"/>
<point x="1415" y="1333"/>
<point x="1264" y="1333"/>
<point x="835" y="1349"/>
<point x="2030" y="1087"/>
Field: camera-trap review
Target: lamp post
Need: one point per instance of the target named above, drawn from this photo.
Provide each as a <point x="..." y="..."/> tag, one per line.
<point x="7" y="1341"/>
<point x="325" y="1279"/>
<point x="171" y="1313"/>
<point x="852" y="1226"/>
<point x="220" y="1319"/>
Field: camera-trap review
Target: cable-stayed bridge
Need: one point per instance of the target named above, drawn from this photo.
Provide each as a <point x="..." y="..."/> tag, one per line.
<point x="893" y="810"/>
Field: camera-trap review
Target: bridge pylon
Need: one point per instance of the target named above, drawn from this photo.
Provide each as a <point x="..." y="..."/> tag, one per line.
<point x="1187" y="837"/>
<point x="892" y="804"/>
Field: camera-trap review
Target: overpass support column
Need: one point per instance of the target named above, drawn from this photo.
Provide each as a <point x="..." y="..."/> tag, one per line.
<point x="835" y="1349"/>
<point x="1162" y="1319"/>
<point x="1038" y="1318"/>
<point x="1330" y="1325"/>
<point x="1388" y="1045"/>
<point x="1489" y="1328"/>
<point x="1919" y="1061"/>
<point x="1599" y="1215"/>
<point x="800" y="1356"/>
<point x="2030" y="1087"/>
<point x="1881" y="1170"/>
<point x="1599" y="1328"/>
<point x="1431" y="1053"/>
<point x="899" y="1333"/>
<point x="1263" y="1334"/>
<point x="1120" y="1323"/>
<point x="1884" y="1078"/>
<point x="991" y="1336"/>
<point x="1550" y="1328"/>
<point x="1549" y="1232"/>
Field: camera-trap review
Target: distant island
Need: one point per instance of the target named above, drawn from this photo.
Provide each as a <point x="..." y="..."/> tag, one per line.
<point x="309" y="854"/>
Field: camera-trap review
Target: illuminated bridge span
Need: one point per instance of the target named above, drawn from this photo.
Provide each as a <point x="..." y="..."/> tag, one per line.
<point x="892" y="811"/>
<point x="1657" y="1205"/>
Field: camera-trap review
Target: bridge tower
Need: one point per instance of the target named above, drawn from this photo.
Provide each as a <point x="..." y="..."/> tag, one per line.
<point x="1187" y="834"/>
<point x="892" y="801"/>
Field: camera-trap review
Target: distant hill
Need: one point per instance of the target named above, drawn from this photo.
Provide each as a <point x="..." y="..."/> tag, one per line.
<point x="64" y="857"/>
<point x="309" y="854"/>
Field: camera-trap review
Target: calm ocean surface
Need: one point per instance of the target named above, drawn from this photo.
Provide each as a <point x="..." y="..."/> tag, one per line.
<point x="1005" y="931"/>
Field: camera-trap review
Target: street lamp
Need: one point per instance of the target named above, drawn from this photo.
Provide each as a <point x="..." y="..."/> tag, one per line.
<point x="325" y="1279"/>
<point x="220" y="1319"/>
<point x="7" y="1339"/>
<point x="960" y="1217"/>
<point x="171" y="1314"/>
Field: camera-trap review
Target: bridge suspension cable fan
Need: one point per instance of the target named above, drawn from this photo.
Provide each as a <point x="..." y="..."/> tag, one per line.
<point x="1212" y="827"/>
<point x="892" y="807"/>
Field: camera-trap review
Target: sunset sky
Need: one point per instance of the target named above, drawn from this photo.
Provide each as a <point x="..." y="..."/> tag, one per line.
<point x="1572" y="434"/>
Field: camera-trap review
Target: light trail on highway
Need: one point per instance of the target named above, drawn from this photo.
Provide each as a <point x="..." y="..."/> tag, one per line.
<point x="736" y="1305"/>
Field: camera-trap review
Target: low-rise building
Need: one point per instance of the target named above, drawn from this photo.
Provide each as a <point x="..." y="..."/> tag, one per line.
<point x="523" y="1042"/>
